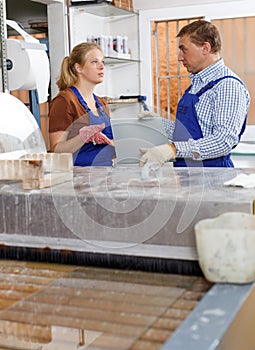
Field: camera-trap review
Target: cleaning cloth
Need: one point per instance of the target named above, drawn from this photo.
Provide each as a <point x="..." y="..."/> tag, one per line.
<point x="242" y="180"/>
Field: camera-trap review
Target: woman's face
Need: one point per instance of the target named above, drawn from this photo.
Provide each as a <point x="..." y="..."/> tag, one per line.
<point x="93" y="68"/>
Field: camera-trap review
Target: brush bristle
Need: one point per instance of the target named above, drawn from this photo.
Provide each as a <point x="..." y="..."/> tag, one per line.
<point x="150" y="264"/>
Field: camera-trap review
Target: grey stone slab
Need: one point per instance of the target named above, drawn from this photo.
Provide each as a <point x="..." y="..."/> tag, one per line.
<point x="116" y="205"/>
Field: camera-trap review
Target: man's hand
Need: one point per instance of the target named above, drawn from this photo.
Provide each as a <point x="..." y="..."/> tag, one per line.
<point x="158" y="154"/>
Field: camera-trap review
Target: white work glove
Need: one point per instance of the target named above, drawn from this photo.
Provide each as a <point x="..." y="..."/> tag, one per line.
<point x="158" y="154"/>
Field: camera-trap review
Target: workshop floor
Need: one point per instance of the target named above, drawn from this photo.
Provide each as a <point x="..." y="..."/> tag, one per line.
<point x="47" y="306"/>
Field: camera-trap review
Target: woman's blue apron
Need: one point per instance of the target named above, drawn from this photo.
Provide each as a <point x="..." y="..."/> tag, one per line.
<point x="187" y="127"/>
<point x="90" y="154"/>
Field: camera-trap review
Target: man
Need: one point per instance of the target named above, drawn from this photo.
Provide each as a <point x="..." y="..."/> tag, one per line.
<point x="211" y="115"/>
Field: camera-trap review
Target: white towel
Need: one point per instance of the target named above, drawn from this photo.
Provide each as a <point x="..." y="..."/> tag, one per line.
<point x="242" y="180"/>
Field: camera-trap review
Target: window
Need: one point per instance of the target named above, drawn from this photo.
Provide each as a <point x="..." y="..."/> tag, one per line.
<point x="170" y="78"/>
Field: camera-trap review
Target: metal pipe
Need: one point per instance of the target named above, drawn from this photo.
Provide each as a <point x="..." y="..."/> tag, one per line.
<point x="68" y="4"/>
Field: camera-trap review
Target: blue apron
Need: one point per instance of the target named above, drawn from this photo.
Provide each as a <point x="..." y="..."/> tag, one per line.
<point x="90" y="154"/>
<point x="187" y="127"/>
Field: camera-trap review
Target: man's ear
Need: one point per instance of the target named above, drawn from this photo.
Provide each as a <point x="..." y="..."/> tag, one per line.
<point x="206" y="47"/>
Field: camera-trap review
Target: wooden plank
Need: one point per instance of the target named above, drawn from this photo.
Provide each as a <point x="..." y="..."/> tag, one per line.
<point x="47" y="180"/>
<point x="53" y="162"/>
<point x="71" y="302"/>
<point x="97" y="303"/>
<point x="27" y="333"/>
<point x="79" y="321"/>
<point x="36" y="163"/>
<point x="121" y="318"/>
<point x="38" y="170"/>
<point x="16" y="169"/>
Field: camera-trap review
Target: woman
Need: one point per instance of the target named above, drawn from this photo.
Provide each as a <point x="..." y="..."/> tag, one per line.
<point x="79" y="121"/>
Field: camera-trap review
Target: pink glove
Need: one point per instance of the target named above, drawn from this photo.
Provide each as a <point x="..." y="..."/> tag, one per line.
<point x="92" y="133"/>
<point x="88" y="132"/>
<point x="101" y="138"/>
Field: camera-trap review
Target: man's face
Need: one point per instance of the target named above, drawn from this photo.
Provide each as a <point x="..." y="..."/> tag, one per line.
<point x="193" y="57"/>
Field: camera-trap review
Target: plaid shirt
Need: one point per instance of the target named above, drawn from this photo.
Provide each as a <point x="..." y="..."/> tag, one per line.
<point x="221" y="112"/>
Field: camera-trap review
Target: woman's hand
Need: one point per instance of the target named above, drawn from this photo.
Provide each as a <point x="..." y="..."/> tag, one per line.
<point x="92" y="133"/>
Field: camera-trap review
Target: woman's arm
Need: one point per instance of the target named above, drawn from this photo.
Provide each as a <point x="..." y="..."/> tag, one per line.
<point x="60" y="144"/>
<point x="63" y="128"/>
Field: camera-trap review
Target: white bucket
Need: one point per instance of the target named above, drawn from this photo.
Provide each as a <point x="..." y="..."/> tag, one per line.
<point x="226" y="247"/>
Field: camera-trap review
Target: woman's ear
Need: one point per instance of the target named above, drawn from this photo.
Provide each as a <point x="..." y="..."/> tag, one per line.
<point x="77" y="67"/>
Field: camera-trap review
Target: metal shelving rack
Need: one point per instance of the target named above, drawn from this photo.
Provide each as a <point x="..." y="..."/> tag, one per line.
<point x="93" y="19"/>
<point x="3" y="36"/>
<point x="103" y="8"/>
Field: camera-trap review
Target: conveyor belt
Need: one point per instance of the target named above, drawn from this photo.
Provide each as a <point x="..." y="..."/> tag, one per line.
<point x="48" y="306"/>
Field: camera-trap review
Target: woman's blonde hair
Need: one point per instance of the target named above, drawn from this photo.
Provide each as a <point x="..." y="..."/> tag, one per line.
<point x="68" y="74"/>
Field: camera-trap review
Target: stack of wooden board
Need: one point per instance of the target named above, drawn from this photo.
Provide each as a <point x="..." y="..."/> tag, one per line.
<point x="38" y="170"/>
